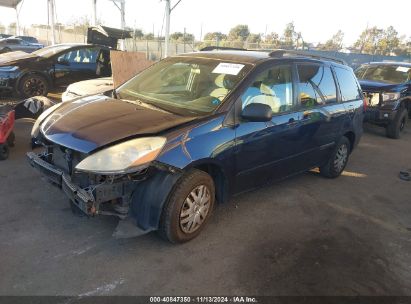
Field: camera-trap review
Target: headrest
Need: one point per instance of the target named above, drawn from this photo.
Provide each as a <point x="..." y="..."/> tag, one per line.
<point x="224" y="81"/>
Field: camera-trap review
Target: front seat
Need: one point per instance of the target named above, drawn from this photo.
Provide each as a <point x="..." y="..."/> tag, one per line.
<point x="223" y="86"/>
<point x="267" y="96"/>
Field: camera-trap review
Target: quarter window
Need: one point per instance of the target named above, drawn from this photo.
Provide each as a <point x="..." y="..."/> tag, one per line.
<point x="273" y="87"/>
<point x="348" y="84"/>
<point x="316" y="85"/>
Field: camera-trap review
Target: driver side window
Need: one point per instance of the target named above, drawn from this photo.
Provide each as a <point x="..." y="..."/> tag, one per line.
<point x="85" y="55"/>
<point x="273" y="87"/>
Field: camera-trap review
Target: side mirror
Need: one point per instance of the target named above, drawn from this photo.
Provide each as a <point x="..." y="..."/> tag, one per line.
<point x="63" y="61"/>
<point x="257" y="112"/>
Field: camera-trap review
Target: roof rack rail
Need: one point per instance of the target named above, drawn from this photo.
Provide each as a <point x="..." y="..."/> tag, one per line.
<point x="281" y="53"/>
<point x="216" y="48"/>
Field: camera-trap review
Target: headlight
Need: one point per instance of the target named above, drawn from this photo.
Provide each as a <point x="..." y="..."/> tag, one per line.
<point x="36" y="128"/>
<point x="8" y="68"/>
<point x="390" y="96"/>
<point x="126" y="157"/>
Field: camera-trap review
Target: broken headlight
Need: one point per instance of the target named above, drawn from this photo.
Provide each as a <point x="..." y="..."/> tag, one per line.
<point x="127" y="157"/>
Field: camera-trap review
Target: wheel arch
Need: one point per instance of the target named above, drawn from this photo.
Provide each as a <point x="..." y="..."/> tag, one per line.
<point x="36" y="72"/>
<point x="351" y="137"/>
<point x="219" y="176"/>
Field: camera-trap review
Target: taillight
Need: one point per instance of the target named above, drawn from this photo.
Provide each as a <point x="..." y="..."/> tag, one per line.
<point x="365" y="103"/>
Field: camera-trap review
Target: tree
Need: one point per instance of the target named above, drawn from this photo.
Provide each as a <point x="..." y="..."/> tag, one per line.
<point x="335" y="43"/>
<point x="368" y="40"/>
<point x="239" y="33"/>
<point x="273" y="39"/>
<point x="181" y="37"/>
<point x="254" y="38"/>
<point x="176" y="36"/>
<point x="148" y="36"/>
<point x="2" y="28"/>
<point x="13" y="28"/>
<point x="138" y="33"/>
<point x="289" y="36"/>
<point x="388" y="42"/>
<point x="215" y="36"/>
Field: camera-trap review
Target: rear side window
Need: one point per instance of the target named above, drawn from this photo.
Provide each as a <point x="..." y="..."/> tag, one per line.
<point x="348" y="84"/>
<point x="316" y="85"/>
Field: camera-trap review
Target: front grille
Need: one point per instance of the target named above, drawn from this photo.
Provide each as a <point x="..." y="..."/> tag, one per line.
<point x="373" y="99"/>
<point x="66" y="160"/>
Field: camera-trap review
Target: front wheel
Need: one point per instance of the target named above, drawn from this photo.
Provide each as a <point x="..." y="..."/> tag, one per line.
<point x="188" y="208"/>
<point x="396" y="126"/>
<point x="338" y="159"/>
<point x="33" y="85"/>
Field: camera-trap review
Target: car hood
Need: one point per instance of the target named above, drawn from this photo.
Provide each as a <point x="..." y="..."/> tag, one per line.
<point x="376" y="86"/>
<point x="93" y="122"/>
<point x="91" y="87"/>
<point x="16" y="58"/>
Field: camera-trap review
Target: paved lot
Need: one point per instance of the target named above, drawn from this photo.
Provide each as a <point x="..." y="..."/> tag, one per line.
<point x="304" y="236"/>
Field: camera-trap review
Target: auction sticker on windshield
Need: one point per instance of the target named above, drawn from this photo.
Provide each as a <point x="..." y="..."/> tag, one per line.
<point x="403" y="69"/>
<point x="228" y="68"/>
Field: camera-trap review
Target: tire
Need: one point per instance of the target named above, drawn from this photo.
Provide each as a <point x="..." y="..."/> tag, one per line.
<point x="338" y="159"/>
<point x="11" y="139"/>
<point x="394" y="129"/>
<point x="178" y="222"/>
<point x="33" y="85"/>
<point x="4" y="151"/>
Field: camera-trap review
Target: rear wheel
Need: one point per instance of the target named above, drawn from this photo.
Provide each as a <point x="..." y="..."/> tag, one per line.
<point x="338" y="159"/>
<point x="188" y="208"/>
<point x="4" y="151"/>
<point x="394" y="129"/>
<point x="33" y="85"/>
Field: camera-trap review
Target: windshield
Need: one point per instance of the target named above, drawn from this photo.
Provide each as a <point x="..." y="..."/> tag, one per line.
<point x="187" y="86"/>
<point x="384" y="73"/>
<point x="51" y="50"/>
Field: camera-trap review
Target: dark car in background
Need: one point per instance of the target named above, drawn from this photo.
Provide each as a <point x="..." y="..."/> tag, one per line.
<point x="54" y="66"/>
<point x="16" y="44"/>
<point x="194" y="129"/>
<point x="29" y="39"/>
<point x="387" y="89"/>
<point x="2" y="36"/>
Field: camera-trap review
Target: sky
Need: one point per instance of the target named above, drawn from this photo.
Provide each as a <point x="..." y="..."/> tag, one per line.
<point x="317" y="20"/>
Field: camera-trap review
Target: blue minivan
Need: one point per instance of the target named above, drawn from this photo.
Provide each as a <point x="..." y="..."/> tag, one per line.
<point x="194" y="129"/>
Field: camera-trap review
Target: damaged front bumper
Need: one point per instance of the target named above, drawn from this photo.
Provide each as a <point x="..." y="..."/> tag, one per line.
<point x="89" y="199"/>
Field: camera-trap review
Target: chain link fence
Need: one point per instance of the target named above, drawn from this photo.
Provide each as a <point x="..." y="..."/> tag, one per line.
<point x="155" y="49"/>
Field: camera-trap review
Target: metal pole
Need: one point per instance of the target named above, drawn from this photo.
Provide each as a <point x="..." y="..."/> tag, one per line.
<point x="52" y="21"/>
<point x="167" y="31"/>
<point x="123" y="22"/>
<point x="17" y="22"/>
<point x="94" y="13"/>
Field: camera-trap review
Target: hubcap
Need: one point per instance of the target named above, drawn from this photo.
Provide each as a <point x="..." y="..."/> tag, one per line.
<point x="341" y="158"/>
<point x="34" y="87"/>
<point x="195" y="209"/>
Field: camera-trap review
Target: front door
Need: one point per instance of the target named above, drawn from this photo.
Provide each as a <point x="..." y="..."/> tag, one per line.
<point x="267" y="150"/>
<point x="75" y="65"/>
